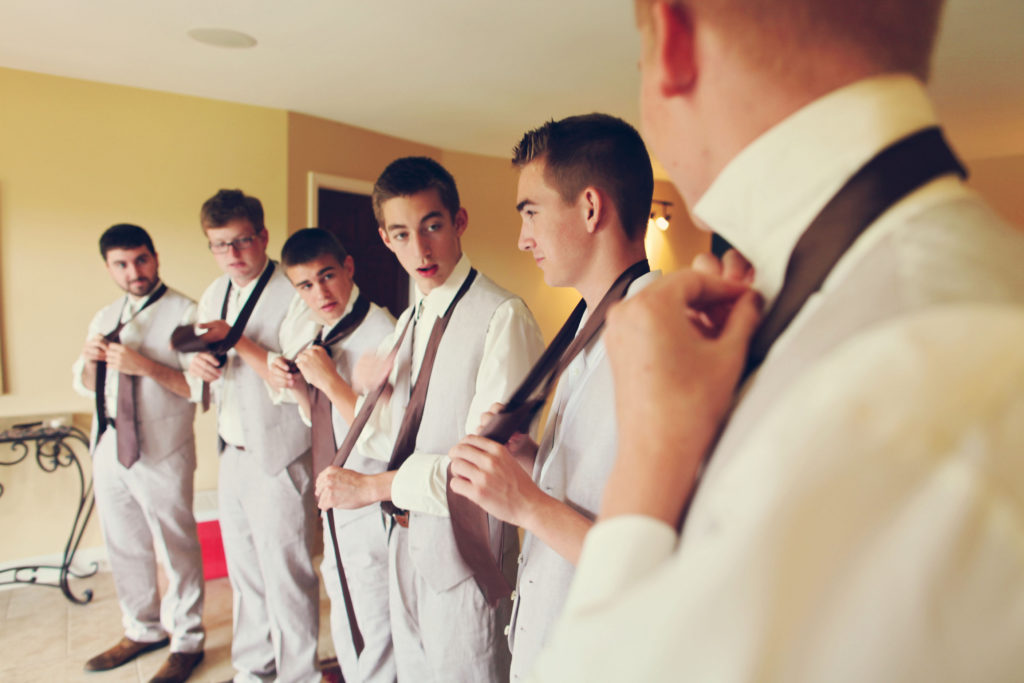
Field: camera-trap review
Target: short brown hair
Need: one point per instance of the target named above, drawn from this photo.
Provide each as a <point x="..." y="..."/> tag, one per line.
<point x="411" y="175"/>
<point x="309" y="244"/>
<point x="890" y="36"/>
<point x="227" y="205"/>
<point x="595" y="150"/>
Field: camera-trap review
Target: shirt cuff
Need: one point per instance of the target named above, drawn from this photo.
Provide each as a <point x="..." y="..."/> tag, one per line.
<point x="421" y="484"/>
<point x="618" y="552"/>
<point x="76" y="379"/>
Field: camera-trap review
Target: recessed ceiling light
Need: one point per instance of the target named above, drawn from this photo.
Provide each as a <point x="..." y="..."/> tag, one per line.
<point x="221" y="37"/>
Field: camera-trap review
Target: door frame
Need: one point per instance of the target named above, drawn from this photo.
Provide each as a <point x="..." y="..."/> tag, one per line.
<point x="315" y="181"/>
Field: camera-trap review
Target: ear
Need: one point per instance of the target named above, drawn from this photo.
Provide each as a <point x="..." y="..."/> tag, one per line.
<point x="592" y="204"/>
<point x="461" y="221"/>
<point x="674" y="48"/>
<point x="386" y="239"/>
<point x="349" y="266"/>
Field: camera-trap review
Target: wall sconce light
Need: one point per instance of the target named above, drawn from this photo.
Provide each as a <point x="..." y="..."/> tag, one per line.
<point x="659" y="221"/>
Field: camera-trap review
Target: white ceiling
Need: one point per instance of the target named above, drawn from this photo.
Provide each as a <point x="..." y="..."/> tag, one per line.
<point x="460" y="74"/>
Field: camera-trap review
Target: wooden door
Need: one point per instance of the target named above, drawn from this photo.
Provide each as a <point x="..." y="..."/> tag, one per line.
<point x="349" y="217"/>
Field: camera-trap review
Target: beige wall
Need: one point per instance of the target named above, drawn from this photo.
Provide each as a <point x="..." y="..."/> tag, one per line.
<point x="323" y="146"/>
<point x="76" y="157"/>
<point x="79" y="156"/>
<point x="1001" y="181"/>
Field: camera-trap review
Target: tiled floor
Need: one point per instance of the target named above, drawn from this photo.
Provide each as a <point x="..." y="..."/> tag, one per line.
<point x="44" y="637"/>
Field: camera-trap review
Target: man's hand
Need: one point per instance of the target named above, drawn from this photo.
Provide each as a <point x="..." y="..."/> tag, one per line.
<point x="732" y="266"/>
<point x="127" y="361"/>
<point x="204" y="366"/>
<point x="487" y="473"/>
<point x="316" y="367"/>
<point x="337" y="487"/>
<point x="95" y="349"/>
<point x="521" y="446"/>
<point x="677" y="349"/>
<point x="281" y="376"/>
<point x="216" y="330"/>
<point x="369" y="372"/>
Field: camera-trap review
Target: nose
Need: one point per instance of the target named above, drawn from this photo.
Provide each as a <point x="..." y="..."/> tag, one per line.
<point x="526" y="242"/>
<point x="421" y="245"/>
<point x="133" y="272"/>
<point x="234" y="248"/>
<point x="321" y="290"/>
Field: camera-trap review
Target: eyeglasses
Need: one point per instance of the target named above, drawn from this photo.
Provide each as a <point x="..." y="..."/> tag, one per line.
<point x="240" y="243"/>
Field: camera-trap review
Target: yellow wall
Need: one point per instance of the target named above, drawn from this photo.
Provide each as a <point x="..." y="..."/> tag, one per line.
<point x="999" y="180"/>
<point x="76" y="157"/>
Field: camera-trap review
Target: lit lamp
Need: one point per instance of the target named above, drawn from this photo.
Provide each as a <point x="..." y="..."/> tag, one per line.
<point x="659" y="215"/>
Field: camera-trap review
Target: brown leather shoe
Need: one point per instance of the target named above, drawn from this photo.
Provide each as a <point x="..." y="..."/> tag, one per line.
<point x="122" y="653"/>
<point x="178" y="667"/>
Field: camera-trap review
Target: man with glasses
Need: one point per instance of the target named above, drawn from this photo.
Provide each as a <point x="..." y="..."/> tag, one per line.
<point x="265" y="464"/>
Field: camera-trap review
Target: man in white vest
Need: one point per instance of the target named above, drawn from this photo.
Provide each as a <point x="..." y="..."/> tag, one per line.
<point x="265" y="463"/>
<point x="858" y="517"/>
<point x="585" y="188"/>
<point x="144" y="486"/>
<point x="442" y="626"/>
<point x="346" y="327"/>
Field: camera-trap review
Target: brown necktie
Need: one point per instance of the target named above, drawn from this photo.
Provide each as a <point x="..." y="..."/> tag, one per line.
<point x="340" y="456"/>
<point x="185" y="339"/>
<point x="128" y="455"/>
<point x="324" y="447"/>
<point x="405" y="442"/>
<point x="891" y="175"/>
<point x="469" y="521"/>
<point x="127" y="422"/>
<point x="888" y="177"/>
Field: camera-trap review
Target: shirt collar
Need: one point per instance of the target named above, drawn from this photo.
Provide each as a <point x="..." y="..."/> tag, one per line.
<point x="765" y="198"/>
<point x="353" y="295"/>
<point x="437" y="302"/>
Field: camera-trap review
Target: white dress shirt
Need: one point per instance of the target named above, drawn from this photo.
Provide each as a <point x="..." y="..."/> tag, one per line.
<point x="512" y="344"/>
<point x="870" y="524"/>
<point x="229" y="420"/>
<point x="131" y="337"/>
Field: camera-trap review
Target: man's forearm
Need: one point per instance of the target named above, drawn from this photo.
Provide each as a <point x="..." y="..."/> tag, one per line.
<point x="169" y="378"/>
<point x="342" y="397"/>
<point x="89" y="375"/>
<point x="557" y="525"/>
<point x="254" y="355"/>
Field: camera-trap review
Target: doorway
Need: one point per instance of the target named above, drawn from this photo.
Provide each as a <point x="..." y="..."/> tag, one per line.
<point x="344" y="209"/>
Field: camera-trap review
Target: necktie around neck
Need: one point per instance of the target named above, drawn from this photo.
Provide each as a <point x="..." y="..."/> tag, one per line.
<point x="324" y="448"/>
<point x="127" y="442"/>
<point x="888" y="177"/>
<point x="405" y="442"/>
<point x="469" y="521"/>
<point x="185" y="339"/>
<point x="340" y="456"/>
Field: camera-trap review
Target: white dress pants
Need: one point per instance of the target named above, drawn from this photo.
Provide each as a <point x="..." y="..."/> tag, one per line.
<point x="450" y="636"/>
<point x="146" y="516"/>
<point x="363" y="545"/>
<point x="265" y="526"/>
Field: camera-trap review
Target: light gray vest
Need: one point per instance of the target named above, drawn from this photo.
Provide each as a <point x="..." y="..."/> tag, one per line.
<point x="574" y="460"/>
<point x="164" y="418"/>
<point x="274" y="434"/>
<point x="366" y="338"/>
<point x="955" y="252"/>
<point x="452" y="387"/>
